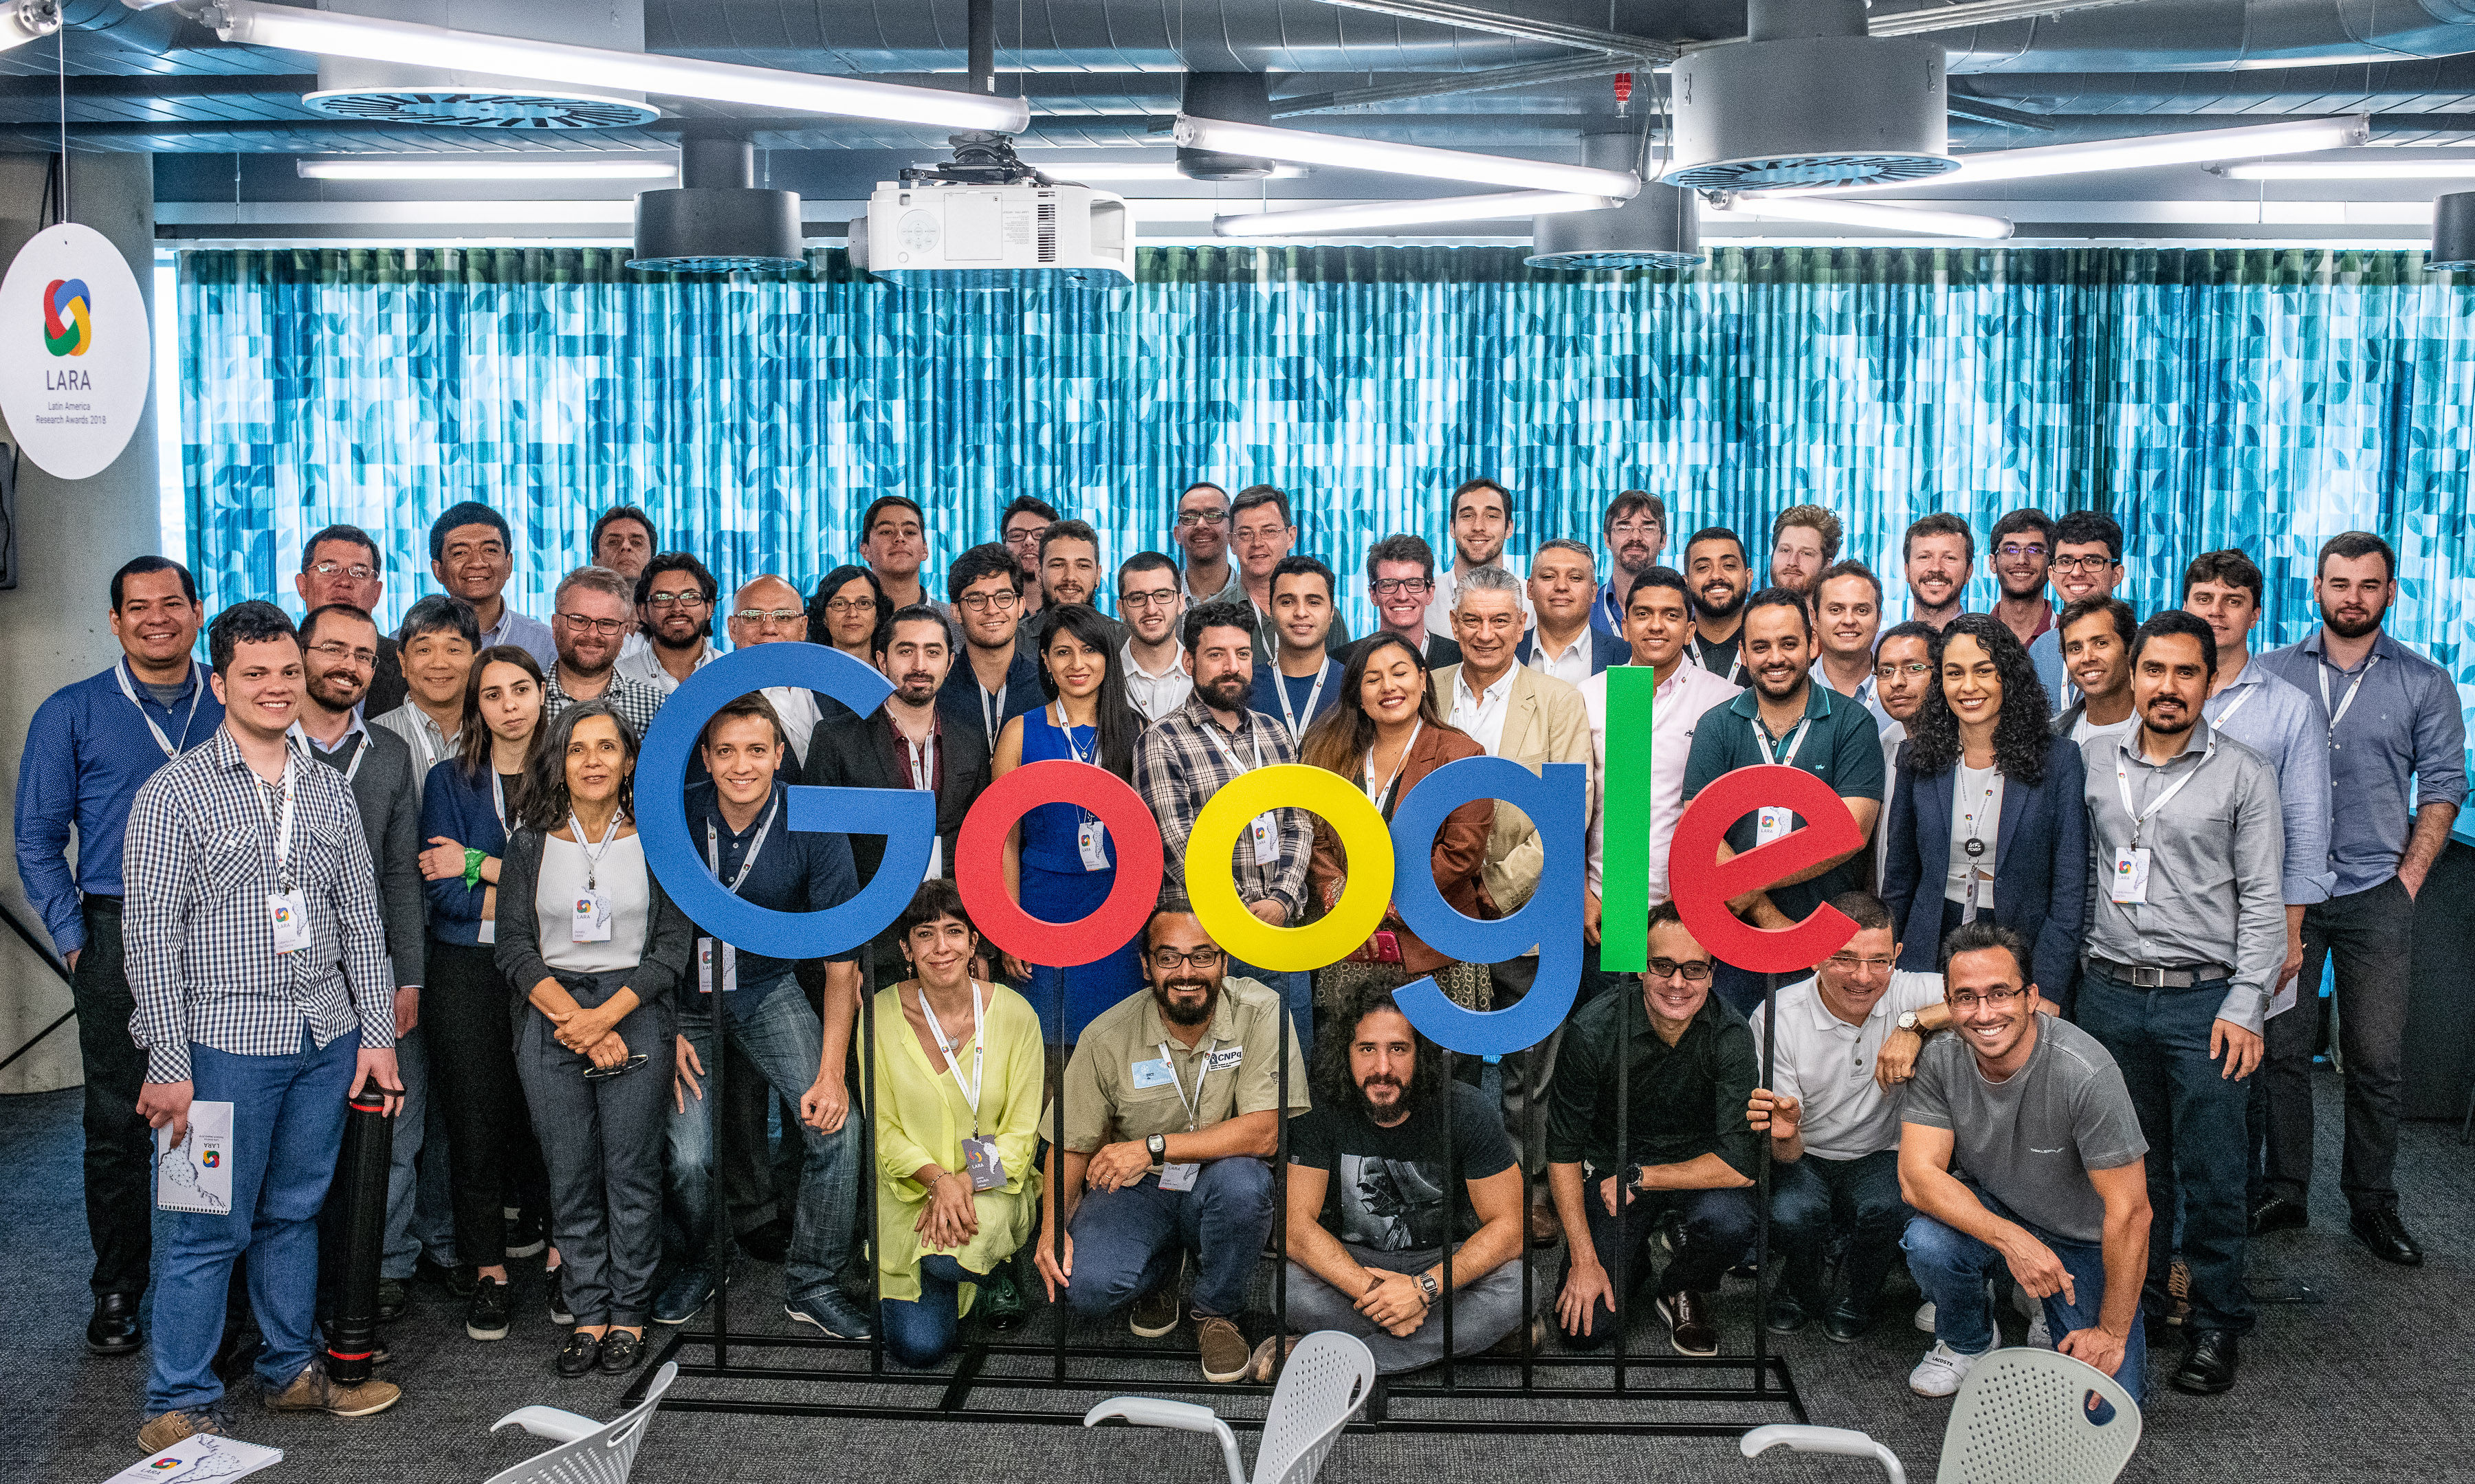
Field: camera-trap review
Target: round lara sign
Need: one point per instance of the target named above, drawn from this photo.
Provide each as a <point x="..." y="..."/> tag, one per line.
<point x="76" y="350"/>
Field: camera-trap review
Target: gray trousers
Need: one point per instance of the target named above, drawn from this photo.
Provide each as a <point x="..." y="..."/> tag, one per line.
<point x="1528" y="1075"/>
<point x="601" y="1138"/>
<point x="1484" y="1312"/>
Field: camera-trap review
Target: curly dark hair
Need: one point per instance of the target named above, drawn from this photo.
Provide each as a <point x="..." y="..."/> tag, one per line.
<point x="2020" y="735"/>
<point x="1329" y="1078"/>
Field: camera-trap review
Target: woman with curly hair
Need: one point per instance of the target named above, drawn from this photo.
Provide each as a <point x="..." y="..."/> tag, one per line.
<point x="1988" y="822"/>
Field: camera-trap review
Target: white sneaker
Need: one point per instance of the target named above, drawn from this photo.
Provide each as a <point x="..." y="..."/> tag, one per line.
<point x="1941" y="1372"/>
<point x="2039" y="1338"/>
<point x="1925" y="1315"/>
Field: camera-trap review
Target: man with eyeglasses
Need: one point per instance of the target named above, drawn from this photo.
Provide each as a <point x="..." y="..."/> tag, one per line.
<point x="338" y="651"/>
<point x="1027" y="517"/>
<point x="341" y="565"/>
<point x="2087" y="563"/>
<point x="1648" y="1123"/>
<point x="2023" y="546"/>
<point x="591" y="615"/>
<point x="1264" y="536"/>
<point x="1172" y="1106"/>
<point x="1902" y="673"/>
<point x="996" y="679"/>
<point x="1633" y="528"/>
<point x="624" y="539"/>
<point x="471" y="555"/>
<point x="1150" y="598"/>
<point x="2186" y="944"/>
<point x="1846" y="1038"/>
<point x="1202" y="532"/>
<point x="893" y="542"/>
<point x="1400" y="574"/>
<point x="674" y="598"/>
<point x="766" y="610"/>
<point x="2020" y="1150"/>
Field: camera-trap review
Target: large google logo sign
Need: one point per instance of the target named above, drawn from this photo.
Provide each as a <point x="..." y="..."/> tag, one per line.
<point x="1551" y="919"/>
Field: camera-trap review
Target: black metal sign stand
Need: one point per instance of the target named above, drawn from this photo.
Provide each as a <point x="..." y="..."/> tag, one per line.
<point x="1079" y="1373"/>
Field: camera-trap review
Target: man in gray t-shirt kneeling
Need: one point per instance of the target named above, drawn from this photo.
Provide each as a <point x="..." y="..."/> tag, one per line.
<point x="2035" y="1113"/>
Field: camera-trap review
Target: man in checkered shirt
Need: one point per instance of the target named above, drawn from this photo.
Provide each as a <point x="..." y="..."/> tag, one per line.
<point x="257" y="959"/>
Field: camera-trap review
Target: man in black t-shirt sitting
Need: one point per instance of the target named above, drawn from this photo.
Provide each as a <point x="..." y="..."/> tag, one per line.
<point x="1407" y="1161"/>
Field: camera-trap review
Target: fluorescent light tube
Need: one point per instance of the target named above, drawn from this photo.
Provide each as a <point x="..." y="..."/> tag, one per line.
<point x="252" y="23"/>
<point x="2295" y="136"/>
<point x="1343" y="152"/>
<point x="2354" y="170"/>
<point x="1866" y="213"/>
<point x="1408" y="214"/>
<point x="1097" y="171"/>
<point x="465" y="167"/>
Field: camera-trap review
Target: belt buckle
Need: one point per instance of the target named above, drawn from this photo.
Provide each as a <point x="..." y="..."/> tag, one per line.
<point x="2147" y="976"/>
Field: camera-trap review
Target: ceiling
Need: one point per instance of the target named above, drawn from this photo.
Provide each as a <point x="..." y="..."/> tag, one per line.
<point x="1102" y="77"/>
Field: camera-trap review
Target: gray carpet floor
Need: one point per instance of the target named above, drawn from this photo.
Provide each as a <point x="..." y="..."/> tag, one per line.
<point x="2376" y="1380"/>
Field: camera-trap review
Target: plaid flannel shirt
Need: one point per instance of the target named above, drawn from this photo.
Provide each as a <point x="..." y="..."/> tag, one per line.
<point x="636" y="702"/>
<point x="1177" y="770"/>
<point x="199" y="865"/>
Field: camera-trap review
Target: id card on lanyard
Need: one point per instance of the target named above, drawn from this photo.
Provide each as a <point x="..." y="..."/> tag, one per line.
<point x="2321" y="674"/>
<point x="1773" y="822"/>
<point x="923" y="780"/>
<point x="1182" y="1175"/>
<point x="981" y="1160"/>
<point x="1267" y="834"/>
<point x="2129" y="886"/>
<point x="717" y="962"/>
<point x="1091" y="836"/>
<point x="287" y="908"/>
<point x="591" y="920"/>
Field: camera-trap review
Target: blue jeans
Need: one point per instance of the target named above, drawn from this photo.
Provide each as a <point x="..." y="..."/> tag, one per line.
<point x="419" y="1213"/>
<point x="1951" y="1267"/>
<point x="287" y="1130"/>
<point x="2193" y="1117"/>
<point x="1129" y="1241"/>
<point x="775" y="1028"/>
<point x="1812" y="1197"/>
<point x="919" y="1332"/>
<point x="1295" y="989"/>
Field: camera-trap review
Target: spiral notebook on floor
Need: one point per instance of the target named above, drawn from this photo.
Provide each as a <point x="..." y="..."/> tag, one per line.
<point x="196" y="1460"/>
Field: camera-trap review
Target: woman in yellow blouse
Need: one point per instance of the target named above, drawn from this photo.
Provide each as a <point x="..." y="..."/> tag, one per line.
<point x="958" y="1078"/>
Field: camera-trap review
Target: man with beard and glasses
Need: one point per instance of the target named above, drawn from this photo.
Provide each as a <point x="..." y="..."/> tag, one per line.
<point x="2087" y="563"/>
<point x="1172" y="1105"/>
<point x="2185" y="945"/>
<point x="1903" y="672"/>
<point x="589" y="617"/>
<point x="995" y="679"/>
<point x="1202" y="532"/>
<point x="1407" y="1161"/>
<point x="2022" y="546"/>
<point x="1634" y="531"/>
<point x="1939" y="555"/>
<point x="340" y="654"/>
<point x="2396" y="734"/>
<point x="341" y="565"/>
<point x="1788" y="721"/>
<point x="674" y="598"/>
<point x="1714" y="564"/>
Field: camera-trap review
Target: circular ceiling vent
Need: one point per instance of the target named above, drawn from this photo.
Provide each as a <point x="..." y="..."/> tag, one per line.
<point x="1658" y="228"/>
<point x="1771" y="171"/>
<point x="1802" y="109"/>
<point x="481" y="108"/>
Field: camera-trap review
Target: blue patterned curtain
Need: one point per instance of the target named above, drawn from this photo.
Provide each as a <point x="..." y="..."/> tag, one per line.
<point x="2264" y="400"/>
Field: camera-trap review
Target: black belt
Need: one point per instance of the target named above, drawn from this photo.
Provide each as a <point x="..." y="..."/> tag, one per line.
<point x="96" y="899"/>
<point x="2159" y="976"/>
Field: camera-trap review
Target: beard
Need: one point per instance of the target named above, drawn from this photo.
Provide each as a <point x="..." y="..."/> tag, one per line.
<point x="335" y="694"/>
<point x="1178" y="1014"/>
<point x="1702" y="606"/>
<point x="1229" y="692"/>
<point x="2352" y="629"/>
<point x="1405" y="1101"/>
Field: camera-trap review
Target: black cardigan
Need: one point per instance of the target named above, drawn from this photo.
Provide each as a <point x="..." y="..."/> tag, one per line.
<point x="669" y="937"/>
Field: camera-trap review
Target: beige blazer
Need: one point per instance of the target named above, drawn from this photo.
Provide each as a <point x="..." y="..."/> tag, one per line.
<point x="1544" y="721"/>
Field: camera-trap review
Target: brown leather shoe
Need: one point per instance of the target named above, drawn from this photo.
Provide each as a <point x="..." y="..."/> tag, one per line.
<point x="1262" y="1367"/>
<point x="1223" y="1348"/>
<point x="1509" y="1348"/>
<point x="1546" y="1228"/>
<point x="313" y="1389"/>
<point x="1688" y="1322"/>
<point x="166" y="1429"/>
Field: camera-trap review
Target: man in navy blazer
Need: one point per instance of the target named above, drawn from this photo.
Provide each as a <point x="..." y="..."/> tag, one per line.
<point x="1563" y="578"/>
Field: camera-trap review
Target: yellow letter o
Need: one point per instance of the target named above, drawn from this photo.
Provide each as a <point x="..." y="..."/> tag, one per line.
<point x="1225" y="821"/>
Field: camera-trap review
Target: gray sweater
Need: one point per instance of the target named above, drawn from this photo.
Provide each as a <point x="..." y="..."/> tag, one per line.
<point x="389" y="799"/>
<point x="669" y="937"/>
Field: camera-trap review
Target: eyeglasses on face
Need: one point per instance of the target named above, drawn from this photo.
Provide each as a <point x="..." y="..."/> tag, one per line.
<point x="1385" y="587"/>
<point x="691" y="599"/>
<point x="2087" y="564"/>
<point x="1215" y="517"/>
<point x="1636" y="528"/>
<point x="336" y="649"/>
<point x="1163" y="597"/>
<point x="1848" y="962"/>
<point x="1911" y="668"/>
<point x="982" y="603"/>
<point x="1028" y="536"/>
<point x="358" y="571"/>
<point x="845" y="607"/>
<point x="769" y="616"/>
<point x="608" y="628"/>
<point x="1992" y="999"/>
<point x="2016" y="550"/>
<point x="1169" y="960"/>
<point x="1692" y="971"/>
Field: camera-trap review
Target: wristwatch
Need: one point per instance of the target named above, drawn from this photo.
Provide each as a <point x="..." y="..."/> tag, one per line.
<point x="1426" y="1285"/>
<point x="1158" y="1145"/>
<point x="1908" y="1022"/>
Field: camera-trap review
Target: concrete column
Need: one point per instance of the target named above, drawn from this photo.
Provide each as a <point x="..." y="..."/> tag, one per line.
<point x="71" y="536"/>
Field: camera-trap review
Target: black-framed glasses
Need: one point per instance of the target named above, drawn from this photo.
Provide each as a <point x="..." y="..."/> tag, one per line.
<point x="1185" y="518"/>
<point x="634" y="1060"/>
<point x="1385" y="587"/>
<point x="1992" y="999"/>
<point x="1168" y="961"/>
<point x="843" y="607"/>
<point x="1692" y="971"/>
<point x="1028" y="536"/>
<point x="694" y="598"/>
<point x="608" y="628"/>
<point x="982" y="603"/>
<point x="2087" y="564"/>
<point x="358" y="571"/>
<point x="1163" y="597"/>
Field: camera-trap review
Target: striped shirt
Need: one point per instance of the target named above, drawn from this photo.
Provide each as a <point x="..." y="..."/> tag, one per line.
<point x="1177" y="770"/>
<point x="200" y="864"/>
<point x="636" y="702"/>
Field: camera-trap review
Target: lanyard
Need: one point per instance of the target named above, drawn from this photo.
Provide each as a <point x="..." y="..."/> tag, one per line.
<point x="1193" y="1106"/>
<point x="970" y="1090"/>
<point x="2228" y="715"/>
<point x="1608" y="611"/>
<point x="198" y="692"/>
<point x="593" y="853"/>
<point x="924" y="759"/>
<point x="1057" y="709"/>
<point x="1377" y="795"/>
<point x="992" y="703"/>
<point x="2319" y="670"/>
<point x="421" y="727"/>
<point x="2122" y="780"/>
<point x="1735" y="659"/>
<point x="1289" y="718"/>
<point x="325" y="752"/>
<point x="1795" y="742"/>
<point x="755" y="848"/>
<point x="1212" y="730"/>
<point x="498" y="797"/>
<point x="282" y="828"/>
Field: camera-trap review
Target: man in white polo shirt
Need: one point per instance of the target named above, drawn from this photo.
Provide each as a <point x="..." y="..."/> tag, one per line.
<point x="1846" y="1040"/>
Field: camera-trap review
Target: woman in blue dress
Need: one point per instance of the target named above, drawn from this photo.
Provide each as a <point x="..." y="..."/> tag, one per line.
<point x="1060" y="862"/>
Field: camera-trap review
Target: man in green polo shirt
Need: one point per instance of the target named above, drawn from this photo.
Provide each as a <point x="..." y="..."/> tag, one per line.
<point x="1786" y="719"/>
<point x="1172" y="1103"/>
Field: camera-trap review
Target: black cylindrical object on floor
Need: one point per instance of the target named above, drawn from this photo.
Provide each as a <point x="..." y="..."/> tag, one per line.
<point x="362" y="1180"/>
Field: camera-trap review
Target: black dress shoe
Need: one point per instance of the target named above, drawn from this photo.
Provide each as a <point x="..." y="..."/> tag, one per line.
<point x="620" y="1351"/>
<point x="767" y="1243"/>
<point x="114" y="1329"/>
<point x="2386" y="1237"/>
<point x="577" y="1356"/>
<point x="1847" y="1321"/>
<point x="1787" y="1316"/>
<point x="2279" y="1213"/>
<point x="393" y="1299"/>
<point x="457" y="1279"/>
<point x="2209" y="1367"/>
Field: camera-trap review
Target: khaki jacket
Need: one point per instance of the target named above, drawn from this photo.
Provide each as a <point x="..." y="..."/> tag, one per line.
<point x="1544" y="721"/>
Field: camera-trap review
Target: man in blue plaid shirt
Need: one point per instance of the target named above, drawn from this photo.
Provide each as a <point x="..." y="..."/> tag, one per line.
<point x="257" y="959"/>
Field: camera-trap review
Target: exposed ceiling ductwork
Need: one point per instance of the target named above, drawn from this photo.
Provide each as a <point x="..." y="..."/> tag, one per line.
<point x="391" y="92"/>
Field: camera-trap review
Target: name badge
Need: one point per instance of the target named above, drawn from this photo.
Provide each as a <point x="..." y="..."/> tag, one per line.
<point x="1179" y="1177"/>
<point x="1092" y="839"/>
<point x="936" y="858"/>
<point x="708" y="951"/>
<point x="1267" y="841"/>
<point x="1226" y="1059"/>
<point x="287" y="913"/>
<point x="489" y="932"/>
<point x="1773" y="824"/>
<point x="589" y="920"/>
<point x="983" y="1164"/>
<point x="1154" y="1073"/>
<point x="2130" y="875"/>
